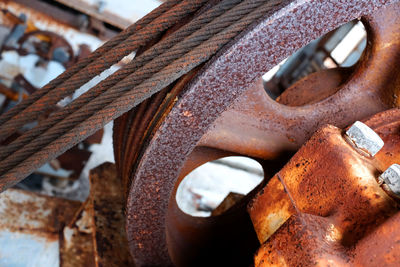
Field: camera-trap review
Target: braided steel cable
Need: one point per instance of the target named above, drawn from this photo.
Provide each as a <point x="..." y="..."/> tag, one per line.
<point x="136" y="63"/>
<point x="133" y="97"/>
<point x="175" y="53"/>
<point x="106" y="60"/>
<point x="162" y="61"/>
<point x="92" y="57"/>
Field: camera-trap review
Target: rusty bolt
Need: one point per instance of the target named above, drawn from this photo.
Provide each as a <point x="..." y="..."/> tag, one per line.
<point x="365" y="138"/>
<point x="391" y="177"/>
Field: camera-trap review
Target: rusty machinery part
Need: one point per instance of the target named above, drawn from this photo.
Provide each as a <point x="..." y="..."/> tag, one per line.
<point x="197" y="120"/>
<point x="80" y="21"/>
<point x="200" y="46"/>
<point x="327" y="206"/>
<point x="54" y="42"/>
<point x="158" y="231"/>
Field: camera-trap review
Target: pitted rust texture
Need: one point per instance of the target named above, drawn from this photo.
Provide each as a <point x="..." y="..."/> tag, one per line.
<point x="380" y="247"/>
<point x="371" y="252"/>
<point x="41" y="217"/>
<point x="272" y="208"/>
<point x="107" y="200"/>
<point x="228" y="76"/>
<point x="330" y="182"/>
<point x="76" y="241"/>
<point x="272" y="128"/>
<point x="309" y="242"/>
<point x="96" y="236"/>
<point x="20" y="210"/>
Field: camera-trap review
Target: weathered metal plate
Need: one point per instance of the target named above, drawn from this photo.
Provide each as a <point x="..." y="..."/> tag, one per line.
<point x="109" y="235"/>
<point x="30" y="226"/>
<point x="76" y="239"/>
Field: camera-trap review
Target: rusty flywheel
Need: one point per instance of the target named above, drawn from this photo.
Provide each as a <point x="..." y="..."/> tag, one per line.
<point x="222" y="109"/>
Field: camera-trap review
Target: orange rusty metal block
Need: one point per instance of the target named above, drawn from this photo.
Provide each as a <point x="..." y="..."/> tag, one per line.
<point x="381" y="247"/>
<point x="271" y="209"/>
<point x="308" y="240"/>
<point x="308" y="244"/>
<point x="338" y="209"/>
<point x="329" y="177"/>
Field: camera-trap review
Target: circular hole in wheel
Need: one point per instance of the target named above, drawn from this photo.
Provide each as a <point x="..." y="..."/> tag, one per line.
<point x="317" y="70"/>
<point x="216" y="186"/>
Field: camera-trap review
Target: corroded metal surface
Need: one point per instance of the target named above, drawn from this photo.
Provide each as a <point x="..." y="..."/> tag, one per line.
<point x="281" y="127"/>
<point x="30" y="227"/>
<point x="107" y="200"/>
<point x="25" y="210"/>
<point x="223" y="111"/>
<point x="234" y="74"/>
<point x="96" y="236"/>
<point x="39" y="18"/>
<point x="76" y="241"/>
<point x="88" y="234"/>
<point x="315" y="87"/>
<point x="338" y="208"/>
<point x="272" y="208"/>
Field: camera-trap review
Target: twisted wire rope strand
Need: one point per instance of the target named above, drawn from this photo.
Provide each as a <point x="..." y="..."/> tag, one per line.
<point x="104" y="61"/>
<point x="136" y="63"/>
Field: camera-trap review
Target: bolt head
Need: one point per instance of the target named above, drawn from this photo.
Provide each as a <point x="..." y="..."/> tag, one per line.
<point x="391" y="177"/>
<point x="365" y="138"/>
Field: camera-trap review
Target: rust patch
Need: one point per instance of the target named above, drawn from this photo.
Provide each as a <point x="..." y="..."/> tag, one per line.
<point x="76" y="242"/>
<point x="26" y="210"/>
<point x="270" y="209"/>
<point x="107" y="198"/>
<point x="343" y="217"/>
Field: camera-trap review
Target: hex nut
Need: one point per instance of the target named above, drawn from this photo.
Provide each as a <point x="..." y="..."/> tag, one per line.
<point x="391" y="177"/>
<point x="365" y="138"/>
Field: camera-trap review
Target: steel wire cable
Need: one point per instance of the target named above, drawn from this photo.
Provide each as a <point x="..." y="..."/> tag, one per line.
<point x="173" y="54"/>
<point x="85" y="61"/>
<point x="136" y="63"/>
<point x="131" y="98"/>
<point x="101" y="63"/>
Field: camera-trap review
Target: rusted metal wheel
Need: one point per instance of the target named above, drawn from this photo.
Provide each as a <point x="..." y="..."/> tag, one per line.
<point x="222" y="109"/>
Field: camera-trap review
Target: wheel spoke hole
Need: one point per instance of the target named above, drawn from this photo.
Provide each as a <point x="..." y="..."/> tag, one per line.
<point x="215" y="186"/>
<point x="317" y="70"/>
